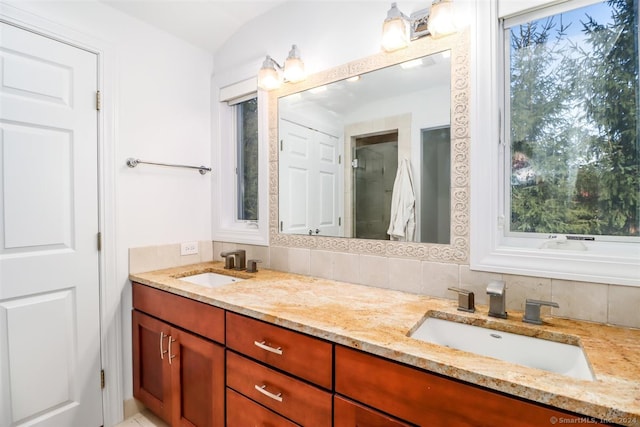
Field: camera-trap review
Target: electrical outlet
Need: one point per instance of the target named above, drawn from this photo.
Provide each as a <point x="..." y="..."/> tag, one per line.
<point x="189" y="248"/>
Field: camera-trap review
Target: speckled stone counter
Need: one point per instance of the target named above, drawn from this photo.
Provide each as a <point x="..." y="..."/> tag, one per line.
<point x="379" y="321"/>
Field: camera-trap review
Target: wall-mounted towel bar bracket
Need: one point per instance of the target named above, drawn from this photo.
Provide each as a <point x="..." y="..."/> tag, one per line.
<point x="132" y="163"/>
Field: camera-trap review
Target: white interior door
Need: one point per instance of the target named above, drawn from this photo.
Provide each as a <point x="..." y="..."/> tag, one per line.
<point x="328" y="197"/>
<point x="49" y="277"/>
<point x="309" y="181"/>
<point x="296" y="178"/>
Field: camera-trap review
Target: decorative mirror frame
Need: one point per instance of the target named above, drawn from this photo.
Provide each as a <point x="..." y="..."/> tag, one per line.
<point x="458" y="249"/>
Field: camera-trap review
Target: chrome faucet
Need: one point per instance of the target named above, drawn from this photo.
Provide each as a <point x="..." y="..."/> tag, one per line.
<point x="465" y="300"/>
<point x="532" y="310"/>
<point x="236" y="260"/>
<point x="497" y="297"/>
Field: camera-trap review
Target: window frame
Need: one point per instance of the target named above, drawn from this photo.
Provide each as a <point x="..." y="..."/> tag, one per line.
<point x="239" y="158"/>
<point x="226" y="225"/>
<point x="492" y="247"/>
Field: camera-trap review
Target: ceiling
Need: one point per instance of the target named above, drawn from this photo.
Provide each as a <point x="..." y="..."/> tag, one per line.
<point x="203" y="23"/>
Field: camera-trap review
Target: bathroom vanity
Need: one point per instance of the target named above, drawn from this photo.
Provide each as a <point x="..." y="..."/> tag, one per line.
<point x="295" y="350"/>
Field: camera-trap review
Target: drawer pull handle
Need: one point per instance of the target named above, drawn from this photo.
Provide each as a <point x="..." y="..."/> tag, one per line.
<point x="162" y="351"/>
<point x="263" y="389"/>
<point x="171" y="356"/>
<point x="264" y="346"/>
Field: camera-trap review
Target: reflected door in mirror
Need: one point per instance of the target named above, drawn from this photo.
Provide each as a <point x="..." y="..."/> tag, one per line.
<point x="310" y="174"/>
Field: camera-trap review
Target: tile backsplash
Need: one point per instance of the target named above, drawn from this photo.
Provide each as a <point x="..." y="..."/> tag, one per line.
<point x="602" y="303"/>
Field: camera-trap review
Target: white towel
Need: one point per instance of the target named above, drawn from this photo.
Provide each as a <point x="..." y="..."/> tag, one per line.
<point x="402" y="226"/>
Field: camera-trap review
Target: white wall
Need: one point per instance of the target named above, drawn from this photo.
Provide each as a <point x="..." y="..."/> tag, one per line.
<point x="161" y="112"/>
<point x="328" y="33"/>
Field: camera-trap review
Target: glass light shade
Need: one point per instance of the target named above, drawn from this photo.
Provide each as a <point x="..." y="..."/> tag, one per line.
<point x="441" y="20"/>
<point x="395" y="30"/>
<point x="269" y="77"/>
<point x="293" y="66"/>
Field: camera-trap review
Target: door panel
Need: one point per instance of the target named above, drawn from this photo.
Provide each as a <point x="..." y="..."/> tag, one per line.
<point x="29" y="340"/>
<point x="49" y="272"/>
<point x="201" y="381"/>
<point x="32" y="156"/>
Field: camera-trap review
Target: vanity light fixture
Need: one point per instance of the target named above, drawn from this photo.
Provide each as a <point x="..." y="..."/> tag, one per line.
<point x="398" y="29"/>
<point x="395" y="30"/>
<point x="272" y="75"/>
<point x="441" y="21"/>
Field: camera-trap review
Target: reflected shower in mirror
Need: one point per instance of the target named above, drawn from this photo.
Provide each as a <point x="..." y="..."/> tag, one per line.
<point x="341" y="147"/>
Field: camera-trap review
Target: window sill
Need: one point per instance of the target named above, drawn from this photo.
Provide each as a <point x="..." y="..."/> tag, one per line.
<point x="602" y="263"/>
<point x="249" y="235"/>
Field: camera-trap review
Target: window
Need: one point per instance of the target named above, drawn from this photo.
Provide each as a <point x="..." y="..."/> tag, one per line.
<point x="572" y="122"/>
<point x="246" y="115"/>
<point x="240" y="190"/>
<point x="556" y="132"/>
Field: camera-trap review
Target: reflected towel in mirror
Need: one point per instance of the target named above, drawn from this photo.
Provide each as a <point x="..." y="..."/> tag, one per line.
<point x="402" y="226"/>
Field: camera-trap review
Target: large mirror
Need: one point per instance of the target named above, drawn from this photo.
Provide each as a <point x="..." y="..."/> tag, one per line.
<point x="353" y="147"/>
<point x="369" y="157"/>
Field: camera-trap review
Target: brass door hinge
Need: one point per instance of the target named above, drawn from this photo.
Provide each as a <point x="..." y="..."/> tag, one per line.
<point x="98" y="101"/>
<point x="102" y="378"/>
<point x="99" y="241"/>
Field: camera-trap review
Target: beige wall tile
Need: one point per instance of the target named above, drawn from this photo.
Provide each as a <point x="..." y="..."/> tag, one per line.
<point x="279" y="258"/>
<point x="217" y="248"/>
<point x="624" y="306"/>
<point x="322" y="264"/>
<point x="477" y="282"/>
<point x="437" y="277"/>
<point x="585" y="301"/>
<point x="346" y="267"/>
<point x="154" y="258"/>
<point x="299" y="260"/>
<point x="580" y="300"/>
<point x="165" y="256"/>
<point x="205" y="248"/>
<point x="405" y="275"/>
<point x="521" y="288"/>
<point x="374" y="271"/>
<point x="260" y="253"/>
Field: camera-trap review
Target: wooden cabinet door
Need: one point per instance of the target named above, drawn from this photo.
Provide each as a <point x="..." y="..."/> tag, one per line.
<point x="197" y="377"/>
<point x="151" y="372"/>
<point x="350" y="414"/>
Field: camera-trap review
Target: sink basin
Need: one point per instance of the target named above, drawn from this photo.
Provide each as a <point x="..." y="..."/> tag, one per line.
<point x="210" y="280"/>
<point x="564" y="359"/>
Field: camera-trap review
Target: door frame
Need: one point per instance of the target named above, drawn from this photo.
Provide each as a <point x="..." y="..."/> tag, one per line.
<point x="110" y="301"/>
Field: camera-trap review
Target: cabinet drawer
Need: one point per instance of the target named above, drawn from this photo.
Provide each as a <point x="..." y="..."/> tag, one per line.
<point x="196" y="317"/>
<point x="428" y="399"/>
<point x="242" y="412"/>
<point x="351" y="414"/>
<point x="301" y="355"/>
<point x="294" y="399"/>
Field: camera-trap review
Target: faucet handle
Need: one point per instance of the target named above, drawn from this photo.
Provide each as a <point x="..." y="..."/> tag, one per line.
<point x="532" y="310"/>
<point x="465" y="299"/>
<point x="229" y="261"/>
<point x="252" y="265"/>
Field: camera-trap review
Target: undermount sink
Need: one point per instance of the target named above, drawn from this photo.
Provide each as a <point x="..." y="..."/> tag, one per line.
<point x="560" y="358"/>
<point x="211" y="280"/>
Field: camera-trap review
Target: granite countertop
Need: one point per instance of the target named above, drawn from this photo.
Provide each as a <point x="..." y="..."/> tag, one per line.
<point x="378" y="321"/>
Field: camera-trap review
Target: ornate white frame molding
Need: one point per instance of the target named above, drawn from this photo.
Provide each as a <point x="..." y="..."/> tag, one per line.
<point x="458" y="250"/>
